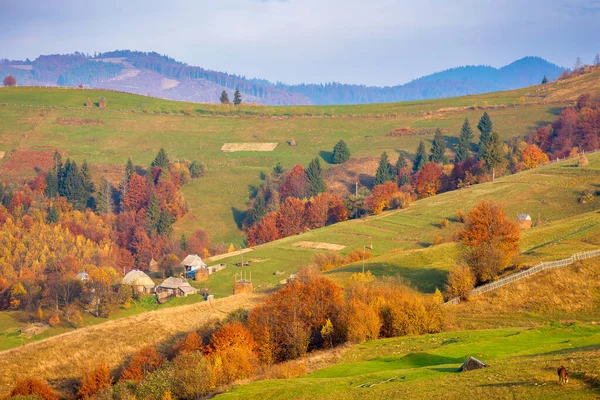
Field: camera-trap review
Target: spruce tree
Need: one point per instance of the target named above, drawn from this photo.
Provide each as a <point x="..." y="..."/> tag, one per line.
<point x="314" y="175"/>
<point x="278" y="169"/>
<point x="485" y="127"/>
<point x="400" y="163"/>
<point x="53" y="174"/>
<point x="224" y="98"/>
<point x="597" y="59"/>
<point x="86" y="175"/>
<point x="438" y="148"/>
<point x="237" y="98"/>
<point x="165" y="221"/>
<point x="53" y="215"/>
<point x="153" y="213"/>
<point x="420" y="158"/>
<point x="384" y="171"/>
<point x="341" y="153"/>
<point x="492" y="153"/>
<point x="259" y="207"/>
<point x="463" y="149"/>
<point x="161" y="160"/>
<point x="104" y="204"/>
<point x="129" y="171"/>
<point x="195" y="169"/>
<point x="544" y="80"/>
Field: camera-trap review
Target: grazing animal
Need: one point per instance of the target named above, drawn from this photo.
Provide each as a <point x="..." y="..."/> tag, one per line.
<point x="563" y="376"/>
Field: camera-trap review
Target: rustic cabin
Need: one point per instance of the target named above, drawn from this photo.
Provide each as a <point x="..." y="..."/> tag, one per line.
<point x="471" y="364"/>
<point x="192" y="262"/>
<point x="174" y="287"/>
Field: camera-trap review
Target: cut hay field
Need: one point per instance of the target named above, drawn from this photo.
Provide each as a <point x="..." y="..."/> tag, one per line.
<point x="522" y="364"/>
<point x="137" y="126"/>
<point x="68" y="356"/>
<point x="402" y="240"/>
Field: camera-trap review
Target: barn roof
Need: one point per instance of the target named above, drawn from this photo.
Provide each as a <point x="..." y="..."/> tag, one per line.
<point x="523" y="217"/>
<point x="472" y="363"/>
<point x="83" y="276"/>
<point x="193" y="260"/>
<point x="175" y="283"/>
<point x="135" y="277"/>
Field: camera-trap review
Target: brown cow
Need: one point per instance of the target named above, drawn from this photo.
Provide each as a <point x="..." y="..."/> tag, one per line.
<point x="563" y="376"/>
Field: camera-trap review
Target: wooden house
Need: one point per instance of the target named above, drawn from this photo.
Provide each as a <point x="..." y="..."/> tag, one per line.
<point x="174" y="287"/>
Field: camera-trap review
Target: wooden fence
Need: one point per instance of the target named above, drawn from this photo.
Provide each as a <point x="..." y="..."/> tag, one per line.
<point x="528" y="272"/>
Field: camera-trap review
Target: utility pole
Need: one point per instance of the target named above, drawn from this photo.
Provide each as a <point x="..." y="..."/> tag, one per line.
<point x="363" y="258"/>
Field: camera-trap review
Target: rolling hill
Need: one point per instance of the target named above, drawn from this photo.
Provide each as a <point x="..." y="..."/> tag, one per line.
<point x="156" y="75"/>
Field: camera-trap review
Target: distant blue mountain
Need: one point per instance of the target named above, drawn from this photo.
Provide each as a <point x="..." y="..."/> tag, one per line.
<point x="144" y="73"/>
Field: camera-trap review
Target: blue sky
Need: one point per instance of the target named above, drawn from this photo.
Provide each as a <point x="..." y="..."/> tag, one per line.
<point x="374" y="42"/>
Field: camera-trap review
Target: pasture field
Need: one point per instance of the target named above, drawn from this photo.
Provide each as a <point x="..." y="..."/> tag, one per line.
<point x="137" y="126"/>
<point x="522" y="363"/>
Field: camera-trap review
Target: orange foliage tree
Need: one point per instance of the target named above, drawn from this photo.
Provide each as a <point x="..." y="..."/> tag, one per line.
<point x="136" y="196"/>
<point x="33" y="387"/>
<point x="380" y="197"/>
<point x="234" y="345"/>
<point x="490" y="240"/>
<point x="264" y="231"/>
<point x="294" y="183"/>
<point x="143" y="362"/>
<point x="533" y="157"/>
<point x="428" y="180"/>
<point x="98" y="380"/>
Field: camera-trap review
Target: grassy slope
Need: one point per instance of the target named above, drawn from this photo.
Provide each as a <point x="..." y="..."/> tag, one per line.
<point x="523" y="349"/>
<point x="218" y="200"/>
<point x="522" y="364"/>
<point x="402" y="239"/>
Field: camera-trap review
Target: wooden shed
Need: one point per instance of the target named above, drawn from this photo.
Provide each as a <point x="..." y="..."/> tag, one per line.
<point x="471" y="364"/>
<point x="524" y="221"/>
<point x="174" y="287"/>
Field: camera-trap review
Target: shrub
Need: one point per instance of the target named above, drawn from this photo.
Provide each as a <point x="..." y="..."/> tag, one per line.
<point x="98" y="380"/>
<point x="443" y="223"/>
<point x="143" y="362"/>
<point x="54" y="321"/>
<point x="35" y="387"/>
<point x="460" y="282"/>
<point x="233" y="344"/>
<point x="193" y="375"/>
<point x="156" y="384"/>
<point x="437" y="239"/>
<point x="461" y="216"/>
<point x="192" y="342"/>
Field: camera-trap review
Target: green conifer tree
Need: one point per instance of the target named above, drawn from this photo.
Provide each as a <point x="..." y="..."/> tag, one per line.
<point x="237" y="98"/>
<point x="485" y="127"/>
<point x="492" y="154"/>
<point x="259" y="207"/>
<point x="161" y="160"/>
<point x="438" y="148"/>
<point x="400" y="163"/>
<point x="384" y="171"/>
<point x="224" y="97"/>
<point x="164" y="225"/>
<point x="544" y="80"/>
<point x="314" y="175"/>
<point x="463" y="149"/>
<point x="341" y="153"/>
<point x="153" y="213"/>
<point x="420" y="158"/>
<point x="104" y="204"/>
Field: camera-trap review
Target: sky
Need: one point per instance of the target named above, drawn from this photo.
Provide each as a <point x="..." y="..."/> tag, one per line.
<point x="372" y="42"/>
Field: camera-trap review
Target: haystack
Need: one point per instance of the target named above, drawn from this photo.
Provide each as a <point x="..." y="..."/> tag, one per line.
<point x="524" y="221"/>
<point x="293" y="142"/>
<point x="583" y="161"/>
<point x="242" y="286"/>
<point x="471" y="364"/>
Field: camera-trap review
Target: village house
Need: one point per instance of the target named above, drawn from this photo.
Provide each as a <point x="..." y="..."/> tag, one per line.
<point x="174" y="287"/>
<point x="192" y="262"/>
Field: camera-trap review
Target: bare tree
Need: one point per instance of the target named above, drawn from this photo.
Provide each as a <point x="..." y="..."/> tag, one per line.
<point x="597" y="59"/>
<point x="578" y="64"/>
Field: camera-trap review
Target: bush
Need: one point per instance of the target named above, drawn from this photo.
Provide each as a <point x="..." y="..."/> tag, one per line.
<point x="98" y="380"/>
<point x="461" y="216"/>
<point x="460" y="282"/>
<point x="443" y="223"/>
<point x="197" y="169"/>
<point x="143" y="362"/>
<point x="35" y="387"/>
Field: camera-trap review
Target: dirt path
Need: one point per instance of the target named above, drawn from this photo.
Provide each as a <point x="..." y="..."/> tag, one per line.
<point x="70" y="355"/>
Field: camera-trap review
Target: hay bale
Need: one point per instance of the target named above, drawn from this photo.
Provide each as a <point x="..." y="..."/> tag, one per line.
<point x="242" y="286"/>
<point x="293" y="142"/>
<point x="201" y="275"/>
<point x="583" y="161"/>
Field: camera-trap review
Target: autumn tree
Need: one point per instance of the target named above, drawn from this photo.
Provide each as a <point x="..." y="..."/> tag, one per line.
<point x="420" y="157"/>
<point x="33" y="387"/>
<point x="461" y="281"/>
<point x="384" y="171"/>
<point x="290" y="219"/>
<point x="295" y="183"/>
<point x="463" y="149"/>
<point x="438" y="148"/>
<point x="428" y="180"/>
<point x="10" y="80"/>
<point x="380" y="197"/>
<point x="98" y="380"/>
<point x="264" y="231"/>
<point x="234" y="345"/>
<point x="490" y="240"/>
<point x="237" y="98"/>
<point x="341" y="153"/>
<point x="533" y="157"/>
<point x="136" y="196"/>
<point x="192" y="342"/>
<point x="224" y="98"/>
<point x="142" y="363"/>
<point x="314" y="176"/>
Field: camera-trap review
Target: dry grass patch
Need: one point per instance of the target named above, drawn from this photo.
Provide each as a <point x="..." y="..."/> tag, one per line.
<point x="233" y="147"/>
<point x="227" y="255"/>
<point x="25" y="163"/>
<point x="73" y="121"/>
<point x="319" y="245"/>
<point x="70" y="355"/>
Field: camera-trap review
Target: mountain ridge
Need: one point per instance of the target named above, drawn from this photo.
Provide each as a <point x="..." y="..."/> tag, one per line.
<point x="150" y="73"/>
